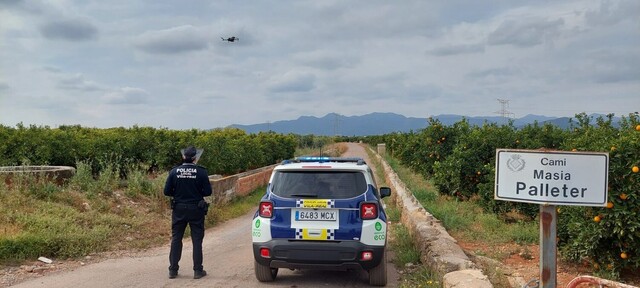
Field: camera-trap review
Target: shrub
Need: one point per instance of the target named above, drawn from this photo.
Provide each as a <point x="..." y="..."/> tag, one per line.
<point x="228" y="150"/>
<point x="612" y="239"/>
<point x="464" y="166"/>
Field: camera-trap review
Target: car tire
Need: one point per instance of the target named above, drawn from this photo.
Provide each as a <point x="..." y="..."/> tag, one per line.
<point x="378" y="274"/>
<point x="264" y="273"/>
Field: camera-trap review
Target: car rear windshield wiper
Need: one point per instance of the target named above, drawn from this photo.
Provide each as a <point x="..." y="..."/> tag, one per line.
<point x="305" y="195"/>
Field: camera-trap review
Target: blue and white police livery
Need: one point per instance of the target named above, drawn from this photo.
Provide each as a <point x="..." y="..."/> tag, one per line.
<point x="321" y="212"/>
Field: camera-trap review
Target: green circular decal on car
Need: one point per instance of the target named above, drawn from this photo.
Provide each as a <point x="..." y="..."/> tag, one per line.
<point x="378" y="226"/>
<point x="258" y="223"/>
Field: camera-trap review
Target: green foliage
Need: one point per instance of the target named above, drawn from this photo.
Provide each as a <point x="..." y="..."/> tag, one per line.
<point x="66" y="221"/>
<point x="227" y="151"/>
<point x="138" y="182"/>
<point x="618" y="231"/>
<point x="406" y="251"/>
<point x="82" y="180"/>
<point x="465" y="218"/>
<point x="460" y="161"/>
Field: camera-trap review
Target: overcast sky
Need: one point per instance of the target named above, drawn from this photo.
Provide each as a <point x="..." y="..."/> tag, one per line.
<point x="162" y="63"/>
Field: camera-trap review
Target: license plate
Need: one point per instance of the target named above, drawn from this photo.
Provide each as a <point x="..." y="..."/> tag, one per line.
<point x="316" y="215"/>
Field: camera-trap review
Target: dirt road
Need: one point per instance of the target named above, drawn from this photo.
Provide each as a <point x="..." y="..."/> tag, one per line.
<point x="228" y="259"/>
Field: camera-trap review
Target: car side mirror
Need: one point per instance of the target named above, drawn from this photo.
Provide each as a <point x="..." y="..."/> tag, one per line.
<point x="385" y="192"/>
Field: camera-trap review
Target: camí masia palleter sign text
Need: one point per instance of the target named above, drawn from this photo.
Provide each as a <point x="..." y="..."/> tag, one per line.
<point x="552" y="177"/>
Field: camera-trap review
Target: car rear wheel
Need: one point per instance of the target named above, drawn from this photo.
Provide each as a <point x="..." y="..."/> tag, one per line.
<point x="378" y="274"/>
<point x="264" y="273"/>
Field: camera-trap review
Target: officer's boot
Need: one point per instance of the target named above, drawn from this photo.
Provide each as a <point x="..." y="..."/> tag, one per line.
<point x="197" y="274"/>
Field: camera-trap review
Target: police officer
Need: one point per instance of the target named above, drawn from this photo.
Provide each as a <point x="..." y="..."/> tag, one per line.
<point x="187" y="184"/>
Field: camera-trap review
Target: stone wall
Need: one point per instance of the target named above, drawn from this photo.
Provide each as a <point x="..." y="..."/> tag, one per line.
<point x="227" y="188"/>
<point x="438" y="250"/>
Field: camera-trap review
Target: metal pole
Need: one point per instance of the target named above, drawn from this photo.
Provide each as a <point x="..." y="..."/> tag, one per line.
<point x="548" y="249"/>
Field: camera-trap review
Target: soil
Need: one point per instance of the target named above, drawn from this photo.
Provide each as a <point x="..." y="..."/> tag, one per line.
<point x="524" y="261"/>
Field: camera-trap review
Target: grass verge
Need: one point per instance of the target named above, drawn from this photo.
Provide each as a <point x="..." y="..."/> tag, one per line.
<point x="468" y="223"/>
<point x="465" y="219"/>
<point x="81" y="217"/>
<point x="407" y="256"/>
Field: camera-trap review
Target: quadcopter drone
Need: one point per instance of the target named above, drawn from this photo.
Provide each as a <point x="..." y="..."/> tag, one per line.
<point x="231" y="39"/>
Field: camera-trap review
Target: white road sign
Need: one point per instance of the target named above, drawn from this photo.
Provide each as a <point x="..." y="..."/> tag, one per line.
<point x="555" y="178"/>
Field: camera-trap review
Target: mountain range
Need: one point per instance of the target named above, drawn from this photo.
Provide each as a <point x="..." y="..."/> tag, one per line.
<point x="382" y="123"/>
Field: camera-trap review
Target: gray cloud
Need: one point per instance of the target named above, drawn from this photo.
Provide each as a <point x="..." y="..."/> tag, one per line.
<point x="492" y="73"/>
<point x="172" y="41"/>
<point x="343" y="21"/>
<point x="409" y="58"/>
<point x="613" y="66"/>
<point x="458" y="49"/>
<point x="9" y="3"/>
<point x="77" y="82"/>
<point x="4" y="86"/>
<point x="51" y="69"/>
<point x="69" y="30"/>
<point x="293" y="82"/>
<point x="326" y="60"/>
<point x="126" y="95"/>
<point x="525" y="32"/>
<point x="610" y="14"/>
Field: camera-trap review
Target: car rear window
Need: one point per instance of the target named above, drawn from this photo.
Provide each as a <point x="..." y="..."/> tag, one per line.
<point x="319" y="184"/>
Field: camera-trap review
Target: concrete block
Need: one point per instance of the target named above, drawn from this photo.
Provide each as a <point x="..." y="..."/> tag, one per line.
<point x="466" y="278"/>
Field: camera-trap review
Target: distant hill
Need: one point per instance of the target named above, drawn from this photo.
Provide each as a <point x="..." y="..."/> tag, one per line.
<point x="381" y="123"/>
<point x="335" y="124"/>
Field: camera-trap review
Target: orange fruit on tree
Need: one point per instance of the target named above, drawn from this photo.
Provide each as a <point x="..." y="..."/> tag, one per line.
<point x="609" y="205"/>
<point x="635" y="169"/>
<point x="596" y="219"/>
<point x="624" y="255"/>
<point x="623" y="196"/>
<point x="638" y="128"/>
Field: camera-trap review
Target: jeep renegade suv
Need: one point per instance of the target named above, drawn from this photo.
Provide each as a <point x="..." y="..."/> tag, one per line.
<point x="321" y="213"/>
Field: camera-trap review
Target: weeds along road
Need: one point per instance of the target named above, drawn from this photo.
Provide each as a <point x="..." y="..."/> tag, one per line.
<point x="228" y="259"/>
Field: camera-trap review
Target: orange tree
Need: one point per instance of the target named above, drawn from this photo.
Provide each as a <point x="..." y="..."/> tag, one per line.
<point x="486" y="140"/>
<point x="227" y="150"/>
<point x="608" y="237"/>
<point x="432" y="144"/>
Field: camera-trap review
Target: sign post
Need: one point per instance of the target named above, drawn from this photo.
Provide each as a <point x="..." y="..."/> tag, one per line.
<point x="548" y="248"/>
<point x="551" y="178"/>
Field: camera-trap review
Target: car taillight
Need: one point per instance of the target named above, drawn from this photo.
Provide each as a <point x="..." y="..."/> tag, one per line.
<point x="265" y="209"/>
<point x="265" y="253"/>
<point x="368" y="211"/>
<point x="366" y="256"/>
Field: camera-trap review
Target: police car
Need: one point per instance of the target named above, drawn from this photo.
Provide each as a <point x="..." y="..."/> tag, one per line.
<point x="321" y="213"/>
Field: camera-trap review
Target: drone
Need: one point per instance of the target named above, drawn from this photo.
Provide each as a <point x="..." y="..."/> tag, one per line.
<point x="231" y="39"/>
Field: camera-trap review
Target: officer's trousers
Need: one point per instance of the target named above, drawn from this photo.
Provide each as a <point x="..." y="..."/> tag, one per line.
<point x="182" y="215"/>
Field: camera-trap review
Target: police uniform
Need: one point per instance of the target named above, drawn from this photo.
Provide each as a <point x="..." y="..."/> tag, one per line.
<point x="187" y="184"/>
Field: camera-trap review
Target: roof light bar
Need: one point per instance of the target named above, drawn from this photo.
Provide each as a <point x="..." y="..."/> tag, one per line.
<point x="360" y="161"/>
